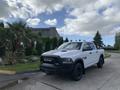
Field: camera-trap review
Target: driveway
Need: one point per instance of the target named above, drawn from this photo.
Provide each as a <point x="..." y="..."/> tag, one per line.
<point x="107" y="78"/>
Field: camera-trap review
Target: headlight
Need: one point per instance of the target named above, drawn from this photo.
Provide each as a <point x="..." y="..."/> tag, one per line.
<point x="67" y="60"/>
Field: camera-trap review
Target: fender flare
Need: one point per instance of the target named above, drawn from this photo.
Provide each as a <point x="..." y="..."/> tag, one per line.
<point x="102" y="57"/>
<point x="79" y="60"/>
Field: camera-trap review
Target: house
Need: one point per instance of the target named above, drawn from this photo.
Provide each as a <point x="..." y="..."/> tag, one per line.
<point x="46" y="32"/>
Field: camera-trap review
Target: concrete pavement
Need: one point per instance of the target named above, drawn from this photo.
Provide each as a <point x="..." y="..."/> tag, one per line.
<point x="6" y="79"/>
<point x="107" y="78"/>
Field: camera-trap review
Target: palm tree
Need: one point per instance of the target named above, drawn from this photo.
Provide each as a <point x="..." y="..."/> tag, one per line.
<point x="20" y="37"/>
<point x="6" y="37"/>
<point x="16" y="38"/>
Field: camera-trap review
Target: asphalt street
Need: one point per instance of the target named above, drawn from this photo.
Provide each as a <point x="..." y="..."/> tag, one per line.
<point x="107" y="78"/>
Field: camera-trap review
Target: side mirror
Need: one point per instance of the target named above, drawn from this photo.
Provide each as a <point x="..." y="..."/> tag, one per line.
<point x="56" y="48"/>
<point x="85" y="50"/>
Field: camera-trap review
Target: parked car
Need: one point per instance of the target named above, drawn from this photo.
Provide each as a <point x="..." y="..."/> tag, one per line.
<point x="73" y="58"/>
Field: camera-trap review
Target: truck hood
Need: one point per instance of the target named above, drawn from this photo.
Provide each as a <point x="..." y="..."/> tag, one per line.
<point x="61" y="53"/>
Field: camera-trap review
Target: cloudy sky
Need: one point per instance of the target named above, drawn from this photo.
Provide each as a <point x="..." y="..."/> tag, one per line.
<point x="75" y="19"/>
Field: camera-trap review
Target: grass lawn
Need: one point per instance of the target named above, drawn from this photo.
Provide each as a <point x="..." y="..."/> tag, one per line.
<point x="19" y="68"/>
<point x="107" y="55"/>
<point x="22" y="67"/>
<point x="113" y="51"/>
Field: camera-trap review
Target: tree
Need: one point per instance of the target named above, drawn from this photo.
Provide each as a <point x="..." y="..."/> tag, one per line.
<point x="117" y="41"/>
<point x="60" y="41"/>
<point x="54" y="43"/>
<point x="98" y="40"/>
<point x="39" y="48"/>
<point x="21" y="38"/>
<point x="1" y="25"/>
<point x="2" y="44"/>
<point x="70" y="40"/>
<point x="6" y="40"/>
<point x="66" y="40"/>
<point x="39" y="33"/>
<point x="46" y="44"/>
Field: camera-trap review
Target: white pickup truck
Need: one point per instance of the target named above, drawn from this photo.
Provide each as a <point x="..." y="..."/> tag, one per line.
<point x="73" y="58"/>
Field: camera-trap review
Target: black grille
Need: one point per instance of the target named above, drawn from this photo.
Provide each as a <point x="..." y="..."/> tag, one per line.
<point x="51" y="60"/>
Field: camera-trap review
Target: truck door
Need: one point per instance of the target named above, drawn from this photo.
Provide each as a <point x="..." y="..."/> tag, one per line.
<point x="87" y="55"/>
<point x="95" y="53"/>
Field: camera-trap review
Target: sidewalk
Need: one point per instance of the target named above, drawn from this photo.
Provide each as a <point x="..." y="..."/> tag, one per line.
<point x="5" y="80"/>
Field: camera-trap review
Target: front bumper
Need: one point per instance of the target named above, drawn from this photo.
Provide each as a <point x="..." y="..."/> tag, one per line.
<point x="66" y="68"/>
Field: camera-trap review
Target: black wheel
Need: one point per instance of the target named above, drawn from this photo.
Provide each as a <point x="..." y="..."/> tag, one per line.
<point x="77" y="72"/>
<point x="100" y="63"/>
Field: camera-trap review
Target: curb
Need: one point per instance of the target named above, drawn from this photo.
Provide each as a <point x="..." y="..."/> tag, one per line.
<point x="7" y="72"/>
<point x="14" y="72"/>
<point x="32" y="71"/>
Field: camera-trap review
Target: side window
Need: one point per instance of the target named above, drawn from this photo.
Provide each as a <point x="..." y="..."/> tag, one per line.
<point x="86" y="47"/>
<point x="92" y="46"/>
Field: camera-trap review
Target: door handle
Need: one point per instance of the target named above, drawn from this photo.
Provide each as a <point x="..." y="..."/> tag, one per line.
<point x="90" y="52"/>
<point x="84" y="57"/>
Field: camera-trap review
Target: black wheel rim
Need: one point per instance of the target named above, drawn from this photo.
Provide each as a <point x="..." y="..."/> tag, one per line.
<point x="101" y="62"/>
<point x="79" y="72"/>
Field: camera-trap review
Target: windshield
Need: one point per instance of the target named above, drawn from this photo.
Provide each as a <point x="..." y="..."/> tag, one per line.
<point x="70" y="46"/>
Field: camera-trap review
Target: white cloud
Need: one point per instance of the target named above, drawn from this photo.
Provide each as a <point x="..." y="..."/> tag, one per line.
<point x="25" y="9"/>
<point x="33" y="22"/>
<point x="13" y="9"/>
<point x="90" y="15"/>
<point x="4" y="9"/>
<point x="112" y="14"/>
<point x="40" y="6"/>
<point x="52" y="22"/>
<point x="88" y="19"/>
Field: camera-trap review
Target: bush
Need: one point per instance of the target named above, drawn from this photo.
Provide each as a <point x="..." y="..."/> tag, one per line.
<point x="110" y="49"/>
<point x="28" y="51"/>
<point x="34" y="51"/>
<point x="2" y="51"/>
<point x="39" y="48"/>
<point x="33" y="58"/>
